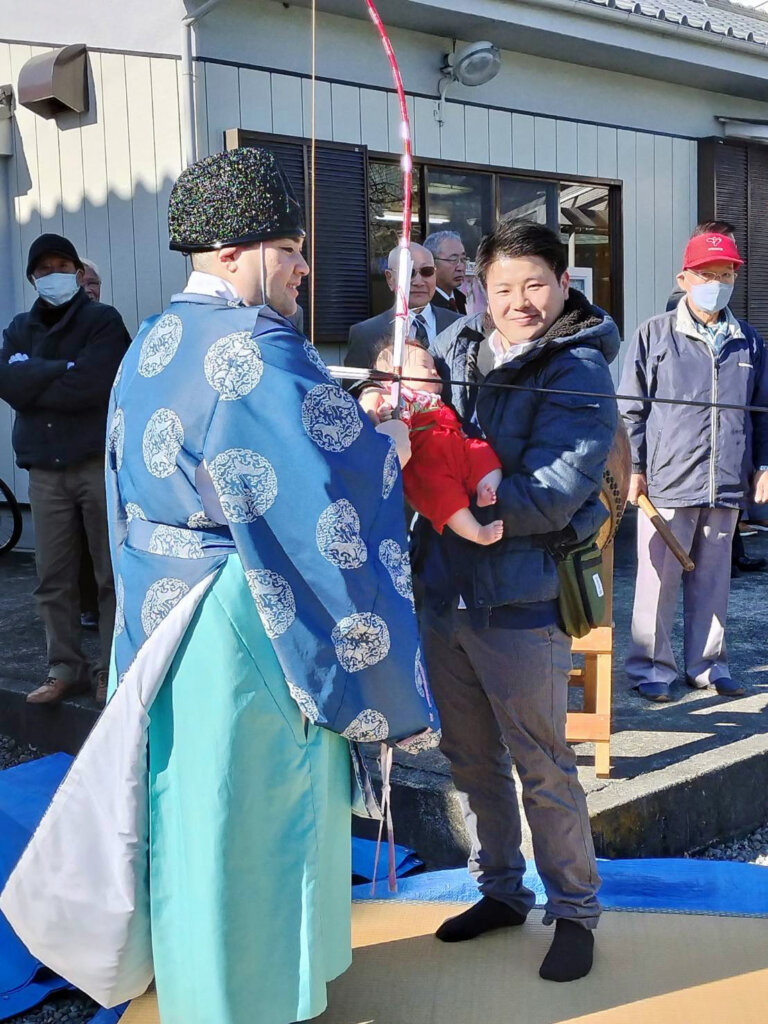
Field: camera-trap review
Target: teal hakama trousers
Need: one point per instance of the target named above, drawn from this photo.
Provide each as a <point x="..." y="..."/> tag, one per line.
<point x="249" y="829"/>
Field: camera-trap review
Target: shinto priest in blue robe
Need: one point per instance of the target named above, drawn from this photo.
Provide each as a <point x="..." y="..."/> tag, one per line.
<point x="265" y="622"/>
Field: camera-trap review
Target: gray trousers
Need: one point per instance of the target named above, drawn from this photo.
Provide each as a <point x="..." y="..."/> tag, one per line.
<point x="502" y="695"/>
<point x="60" y="500"/>
<point x="706" y="534"/>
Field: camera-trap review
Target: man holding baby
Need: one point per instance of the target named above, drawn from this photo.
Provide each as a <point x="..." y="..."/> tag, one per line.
<point x="497" y="655"/>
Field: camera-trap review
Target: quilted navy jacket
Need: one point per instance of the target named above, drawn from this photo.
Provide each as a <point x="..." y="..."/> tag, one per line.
<point x="553" y="448"/>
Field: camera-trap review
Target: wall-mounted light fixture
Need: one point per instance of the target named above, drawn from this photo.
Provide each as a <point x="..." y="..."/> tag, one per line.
<point x="474" y="64"/>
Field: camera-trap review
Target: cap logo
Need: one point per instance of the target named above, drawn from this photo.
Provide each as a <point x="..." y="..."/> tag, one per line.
<point x="714" y="242"/>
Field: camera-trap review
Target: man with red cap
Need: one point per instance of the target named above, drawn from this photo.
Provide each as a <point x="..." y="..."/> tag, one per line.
<point x="698" y="464"/>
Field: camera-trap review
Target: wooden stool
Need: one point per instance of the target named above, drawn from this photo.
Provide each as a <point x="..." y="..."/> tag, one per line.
<point x="593" y="724"/>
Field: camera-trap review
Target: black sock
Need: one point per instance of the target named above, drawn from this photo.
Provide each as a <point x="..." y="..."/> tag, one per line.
<point x="570" y="955"/>
<point x="485" y="916"/>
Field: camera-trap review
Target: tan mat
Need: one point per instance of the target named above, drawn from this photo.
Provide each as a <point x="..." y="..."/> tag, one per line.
<point x="649" y="969"/>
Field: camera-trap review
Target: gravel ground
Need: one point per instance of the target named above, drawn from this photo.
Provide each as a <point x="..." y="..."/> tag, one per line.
<point x="59" y="1009"/>
<point x="752" y="849"/>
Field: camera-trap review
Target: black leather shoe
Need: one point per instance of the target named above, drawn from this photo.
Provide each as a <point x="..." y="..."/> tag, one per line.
<point x="747" y="564"/>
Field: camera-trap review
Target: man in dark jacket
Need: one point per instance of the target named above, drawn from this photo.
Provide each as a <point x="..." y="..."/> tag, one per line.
<point x="57" y="365"/>
<point x="497" y="656"/>
<point x="697" y="465"/>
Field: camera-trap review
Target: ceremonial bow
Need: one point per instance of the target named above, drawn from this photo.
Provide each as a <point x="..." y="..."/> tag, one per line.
<point x="405" y="262"/>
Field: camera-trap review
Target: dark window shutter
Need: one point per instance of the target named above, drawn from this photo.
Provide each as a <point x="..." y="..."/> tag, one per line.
<point x="341" y="248"/>
<point x="342" y="282"/>
<point x="757" y="248"/>
<point x="731" y="203"/>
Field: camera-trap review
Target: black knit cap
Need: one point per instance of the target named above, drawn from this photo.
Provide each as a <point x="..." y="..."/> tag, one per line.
<point x="232" y="198"/>
<point x="54" y="245"/>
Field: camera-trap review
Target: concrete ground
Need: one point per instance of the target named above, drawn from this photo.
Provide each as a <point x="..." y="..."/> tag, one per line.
<point x="684" y="774"/>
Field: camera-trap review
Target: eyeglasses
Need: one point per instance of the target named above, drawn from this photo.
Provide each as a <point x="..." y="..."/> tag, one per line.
<point x="727" y="277"/>
<point x="453" y="259"/>
<point x="423" y="271"/>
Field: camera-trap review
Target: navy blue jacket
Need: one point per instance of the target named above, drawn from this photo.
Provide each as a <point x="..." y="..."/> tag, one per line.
<point x="553" y="450"/>
<point x="61" y="413"/>
<point x="692" y="456"/>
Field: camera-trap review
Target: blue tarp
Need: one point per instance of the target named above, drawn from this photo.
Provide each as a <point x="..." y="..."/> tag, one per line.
<point x="670" y="886"/>
<point x="364" y="857"/>
<point x="25" y="792"/>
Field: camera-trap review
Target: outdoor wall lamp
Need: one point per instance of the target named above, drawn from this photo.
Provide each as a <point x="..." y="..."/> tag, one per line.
<point x="474" y="64"/>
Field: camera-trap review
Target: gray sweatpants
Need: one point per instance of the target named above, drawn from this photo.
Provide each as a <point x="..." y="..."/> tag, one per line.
<point x="706" y="534"/>
<point x="503" y="692"/>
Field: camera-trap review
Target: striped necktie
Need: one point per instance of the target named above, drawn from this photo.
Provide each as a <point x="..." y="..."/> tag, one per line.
<point x="420" y="330"/>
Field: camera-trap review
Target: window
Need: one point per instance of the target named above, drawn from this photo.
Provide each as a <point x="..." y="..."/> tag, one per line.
<point x="341" y="278"/>
<point x="584" y="227"/>
<point x="385" y="211"/>
<point x="359" y="211"/>
<point x="460" y="202"/>
<point x="469" y="201"/>
<point x="534" y="200"/>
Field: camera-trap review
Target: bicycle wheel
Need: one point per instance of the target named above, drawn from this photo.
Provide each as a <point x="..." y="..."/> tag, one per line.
<point x="10" y="519"/>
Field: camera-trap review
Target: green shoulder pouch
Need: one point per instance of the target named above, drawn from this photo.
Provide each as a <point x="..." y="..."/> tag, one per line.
<point x="582" y="590"/>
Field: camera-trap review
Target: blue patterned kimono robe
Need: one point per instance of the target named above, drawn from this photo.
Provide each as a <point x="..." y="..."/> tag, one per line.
<point x="233" y="456"/>
<point x="226" y="434"/>
<point x="264" y="617"/>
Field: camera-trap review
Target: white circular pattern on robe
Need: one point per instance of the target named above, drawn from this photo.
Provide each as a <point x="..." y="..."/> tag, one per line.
<point x="338" y="535"/>
<point x="422" y="741"/>
<point x="245" y="483"/>
<point x="370" y="726"/>
<point x="398" y="565"/>
<point x="306" y="703"/>
<point x="233" y="365"/>
<point x="161" y="598"/>
<point x="200" y="521"/>
<point x="134" y="511"/>
<point x="119" y="606"/>
<point x="116" y="440"/>
<point x="175" y="543"/>
<point x="391" y="469"/>
<point x="420" y="673"/>
<point x="162" y="441"/>
<point x="361" y="640"/>
<point x="160" y="344"/>
<point x="314" y="357"/>
<point x="331" y="417"/>
<point x="118" y="375"/>
<point x="274" y="599"/>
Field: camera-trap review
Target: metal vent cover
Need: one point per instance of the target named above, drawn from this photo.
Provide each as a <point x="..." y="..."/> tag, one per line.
<point x="54" y="82"/>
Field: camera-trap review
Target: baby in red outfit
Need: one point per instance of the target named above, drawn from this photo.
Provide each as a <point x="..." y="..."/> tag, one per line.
<point x="446" y="468"/>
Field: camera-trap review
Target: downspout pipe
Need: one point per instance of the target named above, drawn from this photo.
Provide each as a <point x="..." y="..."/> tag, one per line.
<point x="188" y="104"/>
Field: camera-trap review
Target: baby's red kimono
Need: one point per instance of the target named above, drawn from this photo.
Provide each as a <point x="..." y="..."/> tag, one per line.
<point x="445" y="465"/>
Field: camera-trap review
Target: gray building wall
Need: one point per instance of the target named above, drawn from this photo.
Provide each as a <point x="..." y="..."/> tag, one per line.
<point x="103" y="178"/>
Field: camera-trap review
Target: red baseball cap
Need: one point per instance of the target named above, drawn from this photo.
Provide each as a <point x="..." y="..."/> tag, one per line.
<point x="703" y="249"/>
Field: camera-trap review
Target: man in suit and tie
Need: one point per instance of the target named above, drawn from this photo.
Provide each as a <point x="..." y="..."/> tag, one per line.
<point x="425" y="320"/>
<point x="450" y="270"/>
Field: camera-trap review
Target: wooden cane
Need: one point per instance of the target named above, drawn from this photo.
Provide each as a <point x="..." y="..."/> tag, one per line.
<point x="662" y="528"/>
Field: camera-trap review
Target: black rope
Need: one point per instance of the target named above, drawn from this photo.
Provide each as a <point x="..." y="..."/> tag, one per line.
<point x="384" y="375"/>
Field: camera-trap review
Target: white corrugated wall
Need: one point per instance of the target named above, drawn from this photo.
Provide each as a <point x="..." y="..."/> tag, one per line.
<point x="103" y="178"/>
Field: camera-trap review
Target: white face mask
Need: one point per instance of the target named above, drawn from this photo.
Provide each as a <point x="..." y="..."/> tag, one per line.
<point x="712" y="296"/>
<point x="57" y="289"/>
